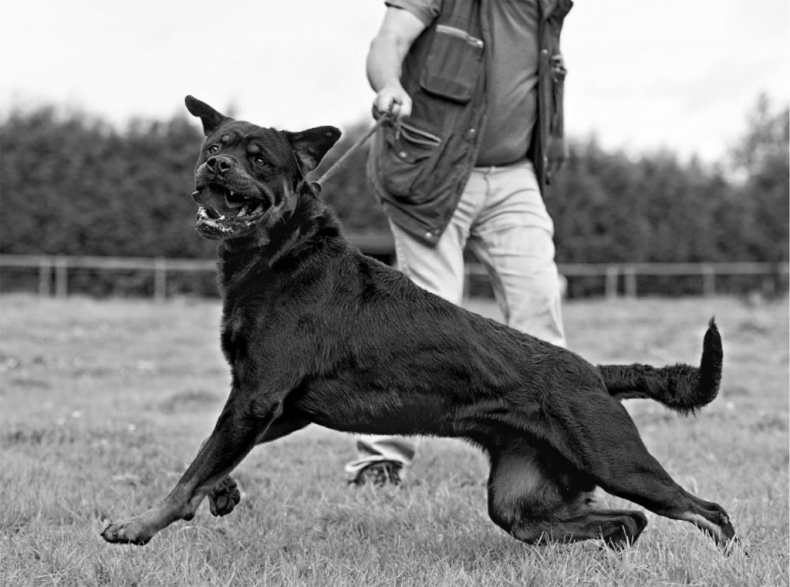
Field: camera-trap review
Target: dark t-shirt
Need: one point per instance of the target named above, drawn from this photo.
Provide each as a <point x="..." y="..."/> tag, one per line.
<point x="511" y="88"/>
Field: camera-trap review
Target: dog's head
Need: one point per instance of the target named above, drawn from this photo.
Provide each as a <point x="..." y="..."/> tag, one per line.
<point x="248" y="176"/>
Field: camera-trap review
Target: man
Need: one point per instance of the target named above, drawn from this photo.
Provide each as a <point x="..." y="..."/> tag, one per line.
<point x="474" y="88"/>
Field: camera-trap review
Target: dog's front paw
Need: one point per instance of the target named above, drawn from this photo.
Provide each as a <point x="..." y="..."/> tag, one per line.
<point x="224" y="497"/>
<point x="129" y="532"/>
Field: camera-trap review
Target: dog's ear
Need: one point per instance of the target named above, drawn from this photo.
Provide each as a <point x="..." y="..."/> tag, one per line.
<point x="210" y="117"/>
<point x="312" y="144"/>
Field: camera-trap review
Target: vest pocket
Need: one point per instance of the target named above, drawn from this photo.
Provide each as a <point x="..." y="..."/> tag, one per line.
<point x="409" y="155"/>
<point x="452" y="65"/>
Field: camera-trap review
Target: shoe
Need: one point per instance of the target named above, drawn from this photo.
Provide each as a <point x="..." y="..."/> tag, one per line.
<point x="379" y="474"/>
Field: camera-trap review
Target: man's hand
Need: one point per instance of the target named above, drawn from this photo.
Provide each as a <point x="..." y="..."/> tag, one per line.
<point x="553" y="168"/>
<point x="392" y="100"/>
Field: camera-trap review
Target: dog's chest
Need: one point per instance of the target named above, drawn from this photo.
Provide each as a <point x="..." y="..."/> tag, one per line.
<point x="250" y="327"/>
<point x="232" y="340"/>
<point x="239" y="331"/>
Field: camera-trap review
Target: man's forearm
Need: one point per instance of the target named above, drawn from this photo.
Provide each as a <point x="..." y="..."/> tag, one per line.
<point x="384" y="62"/>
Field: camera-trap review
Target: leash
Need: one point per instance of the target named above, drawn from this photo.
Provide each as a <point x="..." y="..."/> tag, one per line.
<point x="340" y="163"/>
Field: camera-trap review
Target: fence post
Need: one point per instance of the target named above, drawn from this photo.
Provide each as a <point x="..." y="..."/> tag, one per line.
<point x="630" y="281"/>
<point x="708" y="281"/>
<point x="611" y="282"/>
<point x="160" y="279"/>
<point x="782" y="271"/>
<point x="45" y="277"/>
<point x="61" y="277"/>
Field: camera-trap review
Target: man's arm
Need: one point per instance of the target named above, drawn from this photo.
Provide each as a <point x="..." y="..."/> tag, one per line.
<point x="387" y="51"/>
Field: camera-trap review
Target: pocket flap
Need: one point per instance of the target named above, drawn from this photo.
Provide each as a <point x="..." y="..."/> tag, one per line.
<point x="453" y="64"/>
<point x="411" y="144"/>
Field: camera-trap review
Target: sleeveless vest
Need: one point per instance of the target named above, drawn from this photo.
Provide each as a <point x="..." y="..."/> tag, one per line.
<point x="419" y="170"/>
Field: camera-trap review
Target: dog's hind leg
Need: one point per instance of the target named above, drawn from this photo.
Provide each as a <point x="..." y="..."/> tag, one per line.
<point x="597" y="435"/>
<point x="538" y="496"/>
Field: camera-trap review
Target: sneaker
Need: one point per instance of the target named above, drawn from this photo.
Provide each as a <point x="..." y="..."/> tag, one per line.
<point x="379" y="474"/>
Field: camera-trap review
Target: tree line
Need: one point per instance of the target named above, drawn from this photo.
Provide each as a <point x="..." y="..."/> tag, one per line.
<point x="71" y="184"/>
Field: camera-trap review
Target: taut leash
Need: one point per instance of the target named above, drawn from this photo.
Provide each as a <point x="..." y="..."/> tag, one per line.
<point x="340" y="163"/>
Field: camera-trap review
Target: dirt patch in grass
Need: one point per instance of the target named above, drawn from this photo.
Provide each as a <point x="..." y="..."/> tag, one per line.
<point x="197" y="399"/>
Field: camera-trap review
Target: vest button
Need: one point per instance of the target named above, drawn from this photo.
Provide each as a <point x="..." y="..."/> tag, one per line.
<point x="403" y="154"/>
<point x="471" y="133"/>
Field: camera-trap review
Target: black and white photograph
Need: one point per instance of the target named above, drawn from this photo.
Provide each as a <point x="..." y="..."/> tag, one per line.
<point x="435" y="293"/>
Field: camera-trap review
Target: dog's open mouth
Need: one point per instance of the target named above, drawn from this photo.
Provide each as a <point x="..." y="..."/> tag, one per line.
<point x="224" y="211"/>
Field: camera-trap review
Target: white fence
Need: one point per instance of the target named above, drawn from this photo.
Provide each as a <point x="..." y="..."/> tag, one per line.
<point x="53" y="271"/>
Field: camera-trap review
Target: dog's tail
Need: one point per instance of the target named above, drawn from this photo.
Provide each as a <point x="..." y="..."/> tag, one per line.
<point x="680" y="387"/>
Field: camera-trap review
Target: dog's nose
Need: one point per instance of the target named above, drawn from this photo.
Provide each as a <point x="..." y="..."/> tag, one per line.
<point x="219" y="164"/>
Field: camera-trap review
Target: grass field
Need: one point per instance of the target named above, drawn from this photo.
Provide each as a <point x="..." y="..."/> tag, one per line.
<point x="104" y="403"/>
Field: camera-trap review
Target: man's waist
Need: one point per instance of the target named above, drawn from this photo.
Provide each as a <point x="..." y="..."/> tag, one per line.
<point x="486" y="164"/>
<point x="503" y="167"/>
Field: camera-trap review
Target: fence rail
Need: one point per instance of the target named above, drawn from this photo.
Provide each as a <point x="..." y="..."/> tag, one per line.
<point x="55" y="269"/>
<point x="612" y="272"/>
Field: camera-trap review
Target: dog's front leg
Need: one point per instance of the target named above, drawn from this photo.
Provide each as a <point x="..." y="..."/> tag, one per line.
<point x="225" y="495"/>
<point x="234" y="435"/>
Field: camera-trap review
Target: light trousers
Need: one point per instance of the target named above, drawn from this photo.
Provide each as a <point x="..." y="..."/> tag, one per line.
<point x="501" y="217"/>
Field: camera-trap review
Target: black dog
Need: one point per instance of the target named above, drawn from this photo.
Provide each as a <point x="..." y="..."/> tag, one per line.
<point x="315" y="332"/>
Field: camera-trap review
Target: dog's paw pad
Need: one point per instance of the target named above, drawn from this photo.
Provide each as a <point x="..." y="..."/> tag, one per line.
<point x="224" y="497"/>
<point x="224" y="503"/>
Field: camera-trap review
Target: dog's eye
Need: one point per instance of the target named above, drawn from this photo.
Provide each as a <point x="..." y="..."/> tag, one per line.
<point x="213" y="149"/>
<point x="260" y="160"/>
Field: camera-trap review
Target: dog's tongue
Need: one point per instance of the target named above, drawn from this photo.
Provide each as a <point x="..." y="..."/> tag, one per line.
<point x="211" y="196"/>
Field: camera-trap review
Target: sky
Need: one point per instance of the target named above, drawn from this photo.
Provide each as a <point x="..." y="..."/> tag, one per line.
<point x="643" y="75"/>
